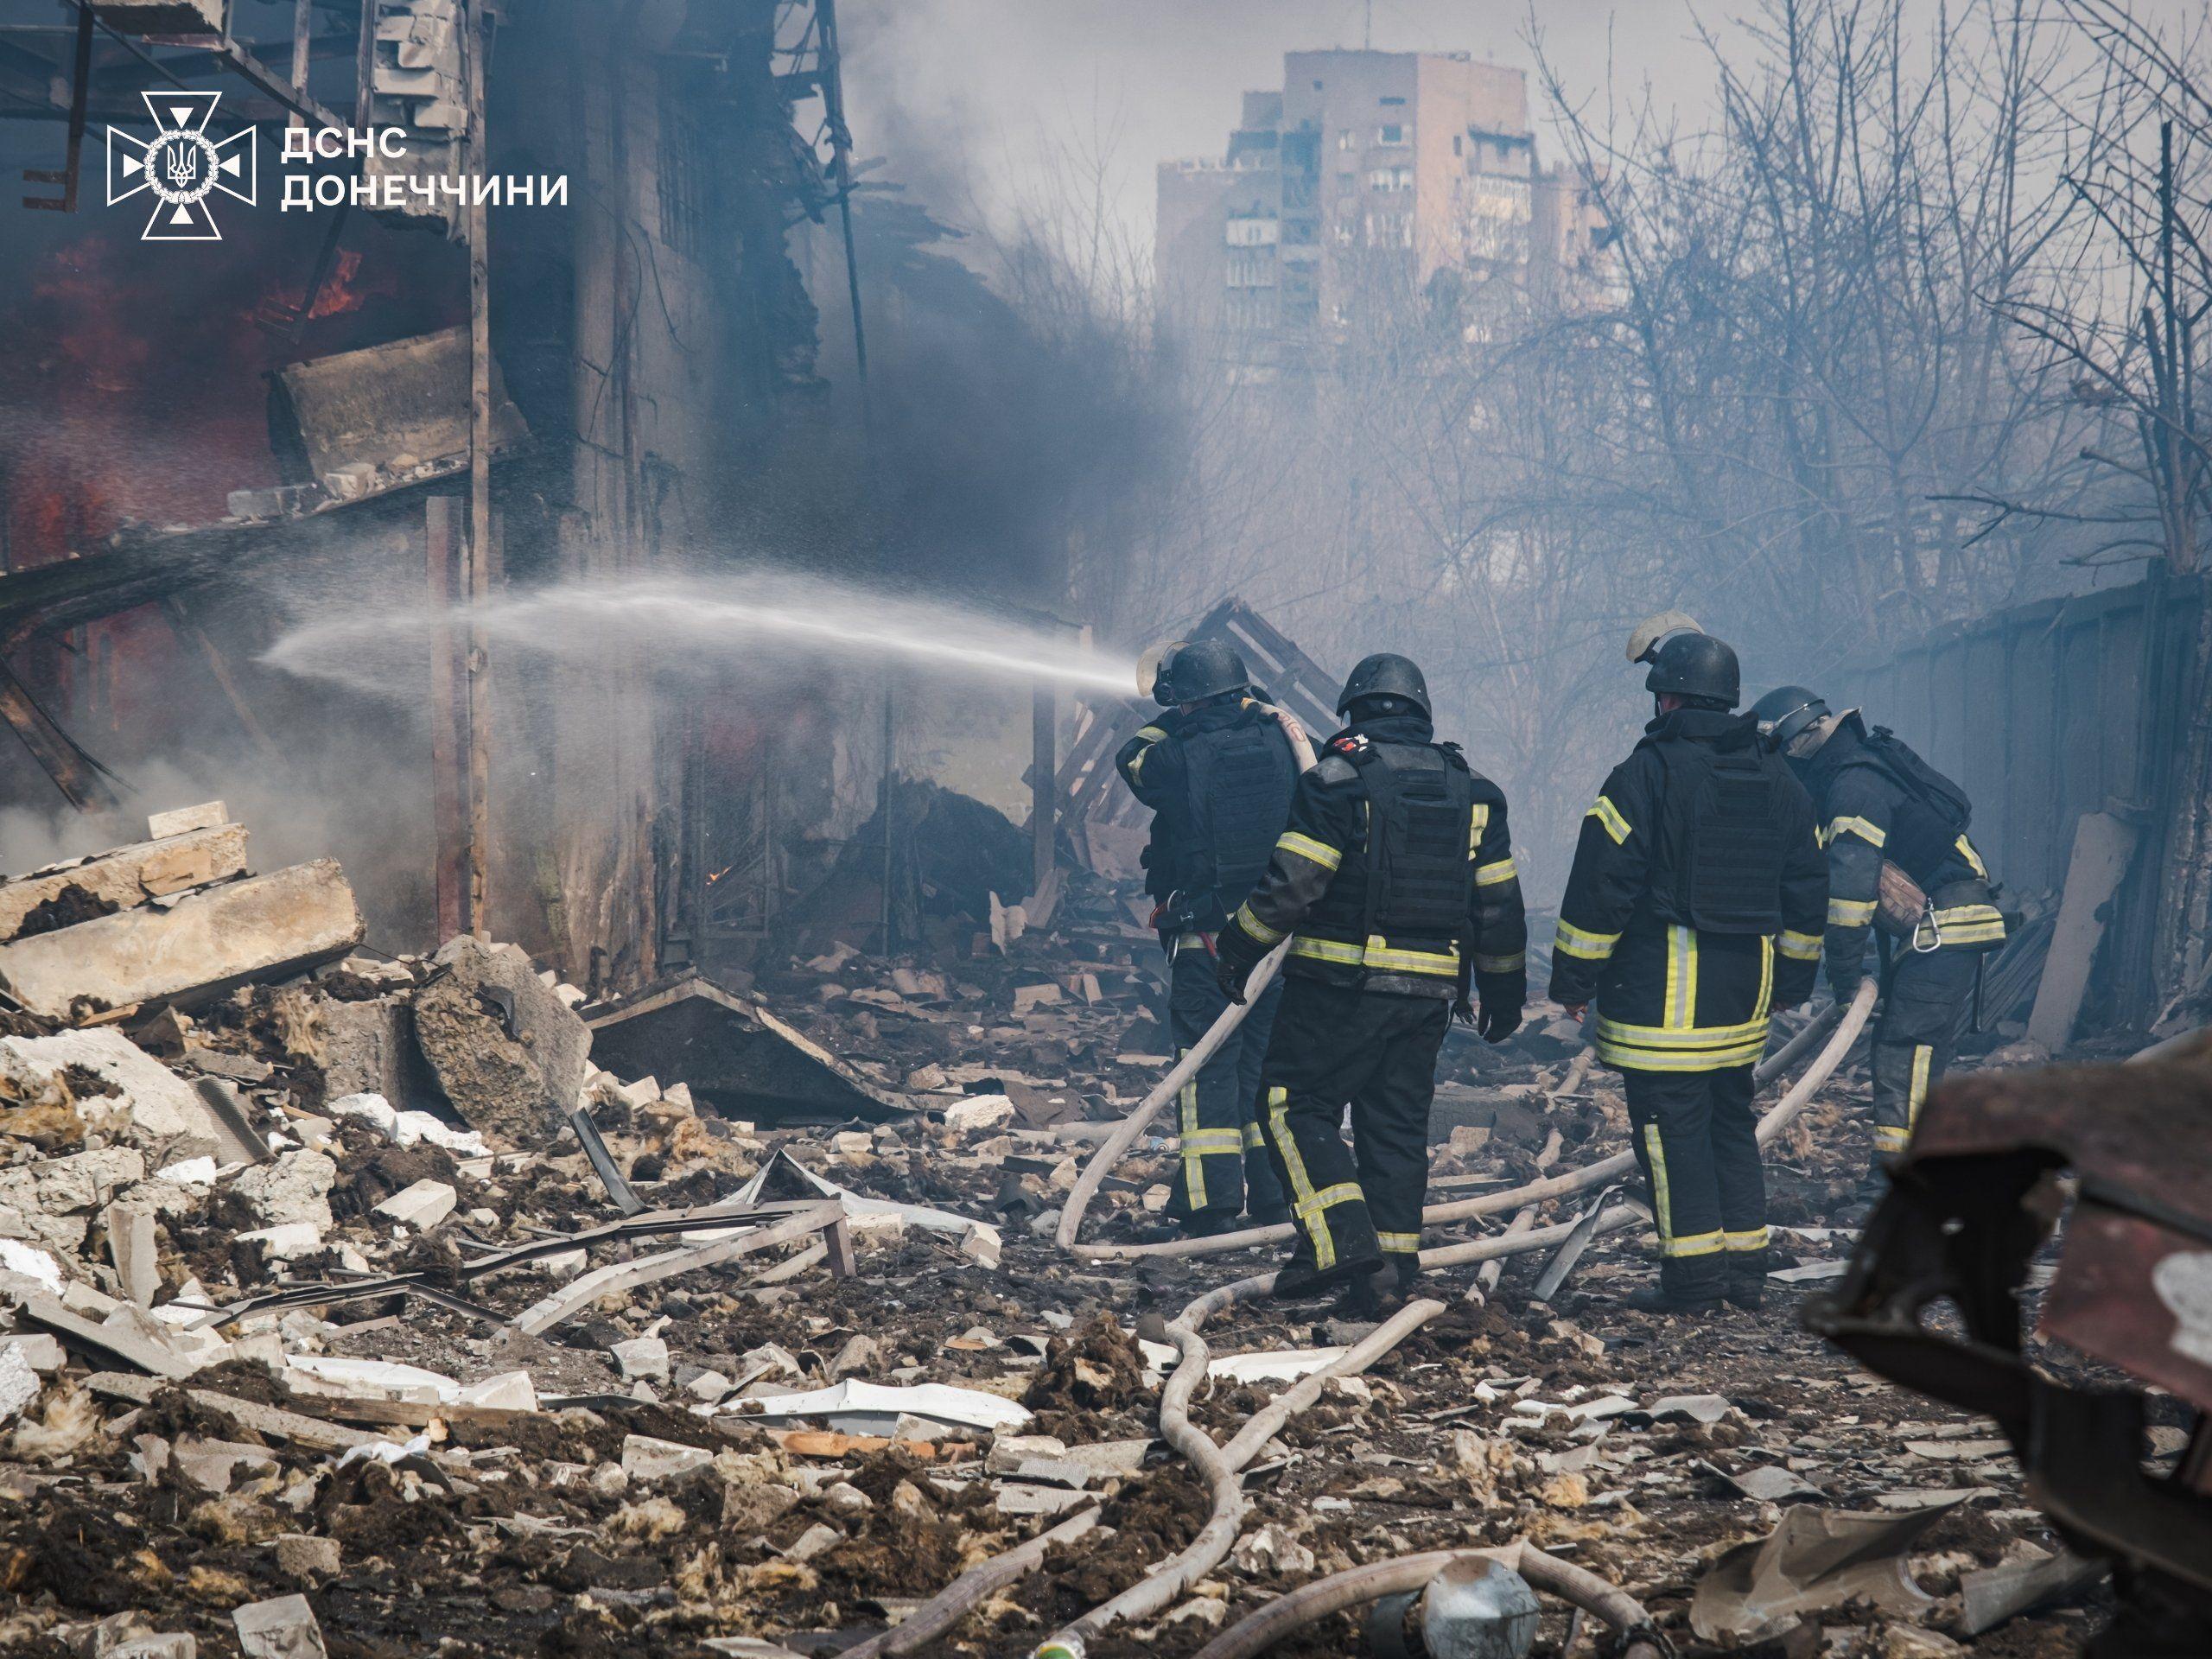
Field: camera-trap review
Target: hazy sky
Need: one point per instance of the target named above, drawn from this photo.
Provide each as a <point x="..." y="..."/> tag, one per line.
<point x="975" y="96"/>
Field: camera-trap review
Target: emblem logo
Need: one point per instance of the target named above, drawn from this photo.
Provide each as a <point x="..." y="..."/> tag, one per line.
<point x="182" y="167"/>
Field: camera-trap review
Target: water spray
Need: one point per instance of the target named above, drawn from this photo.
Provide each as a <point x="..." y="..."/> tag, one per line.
<point x="732" y="622"/>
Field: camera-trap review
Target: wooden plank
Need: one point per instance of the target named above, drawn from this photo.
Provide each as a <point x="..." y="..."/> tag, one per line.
<point x="2103" y="845"/>
<point x="291" y="1425"/>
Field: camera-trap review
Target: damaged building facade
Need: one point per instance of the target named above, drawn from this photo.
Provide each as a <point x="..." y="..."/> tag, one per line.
<point x="402" y="405"/>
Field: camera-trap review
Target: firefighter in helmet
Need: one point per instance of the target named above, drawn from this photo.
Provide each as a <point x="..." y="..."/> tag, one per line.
<point x="1217" y="770"/>
<point x="1395" y="884"/>
<point x="1693" y="911"/>
<point x="1900" y="862"/>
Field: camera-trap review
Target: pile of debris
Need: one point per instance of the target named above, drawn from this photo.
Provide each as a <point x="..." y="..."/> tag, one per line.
<point x="375" y="1305"/>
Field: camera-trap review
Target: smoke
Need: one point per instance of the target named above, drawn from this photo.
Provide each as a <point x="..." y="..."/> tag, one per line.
<point x="754" y="626"/>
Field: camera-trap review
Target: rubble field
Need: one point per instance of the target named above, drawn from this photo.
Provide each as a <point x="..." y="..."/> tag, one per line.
<point x="354" y="1307"/>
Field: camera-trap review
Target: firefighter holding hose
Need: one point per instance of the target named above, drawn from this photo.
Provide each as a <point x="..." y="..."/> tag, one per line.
<point x="1216" y="768"/>
<point x="1395" y="885"/>
<point x="1693" y="911"/>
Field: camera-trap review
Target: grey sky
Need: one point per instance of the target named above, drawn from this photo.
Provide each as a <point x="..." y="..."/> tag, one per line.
<point x="968" y="100"/>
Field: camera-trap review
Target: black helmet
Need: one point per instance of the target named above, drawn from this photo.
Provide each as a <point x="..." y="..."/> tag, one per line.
<point x="1785" y="712"/>
<point x="1696" y="665"/>
<point x="1203" y="669"/>
<point x="1385" y="674"/>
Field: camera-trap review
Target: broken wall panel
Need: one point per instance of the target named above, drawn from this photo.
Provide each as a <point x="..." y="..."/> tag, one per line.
<point x="369" y="419"/>
<point x="130" y="875"/>
<point x="733" y="1054"/>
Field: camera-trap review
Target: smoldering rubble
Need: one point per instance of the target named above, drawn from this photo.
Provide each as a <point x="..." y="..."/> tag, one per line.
<point x="354" y="1307"/>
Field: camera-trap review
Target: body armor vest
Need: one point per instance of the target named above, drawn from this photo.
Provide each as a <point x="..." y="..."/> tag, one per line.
<point x="1415" y="880"/>
<point x="1717" y="859"/>
<point x="1238" y="783"/>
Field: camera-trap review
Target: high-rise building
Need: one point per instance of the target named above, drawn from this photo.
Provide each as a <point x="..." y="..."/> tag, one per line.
<point x="1355" y="184"/>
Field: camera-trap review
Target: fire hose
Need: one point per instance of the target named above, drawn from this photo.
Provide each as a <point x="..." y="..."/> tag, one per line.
<point x="1222" y="1466"/>
<point x="1124" y="1136"/>
<point x="1311" y="1602"/>
<point x="1844" y="1020"/>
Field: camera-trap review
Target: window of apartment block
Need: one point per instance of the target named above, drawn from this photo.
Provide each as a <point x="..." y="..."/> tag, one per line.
<point x="1391" y="178"/>
<point x="1251" y="268"/>
<point x="1392" y="133"/>
<point x="1458" y="143"/>
<point x="682" y="180"/>
<point x="1344" y="137"/>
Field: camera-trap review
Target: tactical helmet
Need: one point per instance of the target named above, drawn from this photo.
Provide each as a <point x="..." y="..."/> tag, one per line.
<point x="1152" y="671"/>
<point x="1203" y="669"/>
<point x="1696" y="665"/>
<point x="1655" y="630"/>
<point x="1385" y="674"/>
<point x="1785" y="713"/>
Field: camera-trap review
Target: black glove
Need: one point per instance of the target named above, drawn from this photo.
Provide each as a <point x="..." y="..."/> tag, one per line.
<point x="1230" y="969"/>
<point x="1843" y="979"/>
<point x="1499" y="1023"/>
<point x="1463" y="1011"/>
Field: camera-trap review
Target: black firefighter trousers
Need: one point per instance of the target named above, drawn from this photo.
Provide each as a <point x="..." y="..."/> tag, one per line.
<point x="1696" y="1138"/>
<point x="1376" y="1052"/>
<point x="1927" y="993"/>
<point x="1222" y="1169"/>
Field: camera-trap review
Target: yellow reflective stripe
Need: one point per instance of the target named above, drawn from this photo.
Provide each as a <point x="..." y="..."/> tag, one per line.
<point x="1194" y="1163"/>
<point x="1305" y="847"/>
<point x="1800" y="947"/>
<point x="1850" y="913"/>
<point x="1754" y="1240"/>
<point x="1609" y="816"/>
<point x="1154" y="733"/>
<point x="1662" y="1206"/>
<point x="1477" y="821"/>
<point x="1253" y="1137"/>
<point x="1766" y="979"/>
<point x="1580" y="942"/>
<point x="1694" y="1037"/>
<point x="1214" y="1141"/>
<point x="1136" y="763"/>
<point x="1702" y="1060"/>
<point x="1680" y="1008"/>
<point x="1401" y="1243"/>
<point x="1853" y="825"/>
<point x="1376" y="953"/>
<point x="1888" y="1139"/>
<point x="1489" y="876"/>
<point x="1923" y="1059"/>
<point x="1516" y="963"/>
<point x="1327" y="950"/>
<point x="1301" y="1187"/>
<point x="1379" y="954"/>
<point x="1973" y="858"/>
<point x="1258" y="929"/>
<point x="1696" y="1244"/>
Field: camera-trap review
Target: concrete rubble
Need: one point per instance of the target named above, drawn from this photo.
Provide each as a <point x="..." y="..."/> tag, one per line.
<point x="272" y="1403"/>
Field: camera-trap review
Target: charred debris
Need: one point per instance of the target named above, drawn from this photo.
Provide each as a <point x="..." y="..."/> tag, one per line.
<point x="360" y="1303"/>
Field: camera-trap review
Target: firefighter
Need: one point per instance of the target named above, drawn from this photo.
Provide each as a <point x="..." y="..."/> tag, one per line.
<point x="1395" y="884"/>
<point x="1693" y="910"/>
<point x="1881" y="803"/>
<point x="1217" y="770"/>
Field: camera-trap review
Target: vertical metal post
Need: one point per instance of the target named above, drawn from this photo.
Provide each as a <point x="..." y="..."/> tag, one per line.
<point x="445" y="734"/>
<point x="883" y="811"/>
<point x="840" y="169"/>
<point x="302" y="35"/>
<point x="476" y="38"/>
<point x="1044" y="794"/>
<point x="365" y="64"/>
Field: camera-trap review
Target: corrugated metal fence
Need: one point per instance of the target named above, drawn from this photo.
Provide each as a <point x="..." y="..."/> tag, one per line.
<point x="2038" y="713"/>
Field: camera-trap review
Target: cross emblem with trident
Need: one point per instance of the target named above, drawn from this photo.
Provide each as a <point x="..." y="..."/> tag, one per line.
<point x="182" y="167"/>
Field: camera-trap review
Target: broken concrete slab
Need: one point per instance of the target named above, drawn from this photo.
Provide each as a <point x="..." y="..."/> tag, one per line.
<point x="207" y="943"/>
<point x="2104" y="846"/>
<point x="183" y="820"/>
<point x="126" y="878"/>
<point x="421" y="1205"/>
<point x="152" y="1108"/>
<point x="281" y="1628"/>
<point x="292" y="1187"/>
<point x="731" y="1053"/>
<point x="509" y="1055"/>
<point x="130" y="1246"/>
